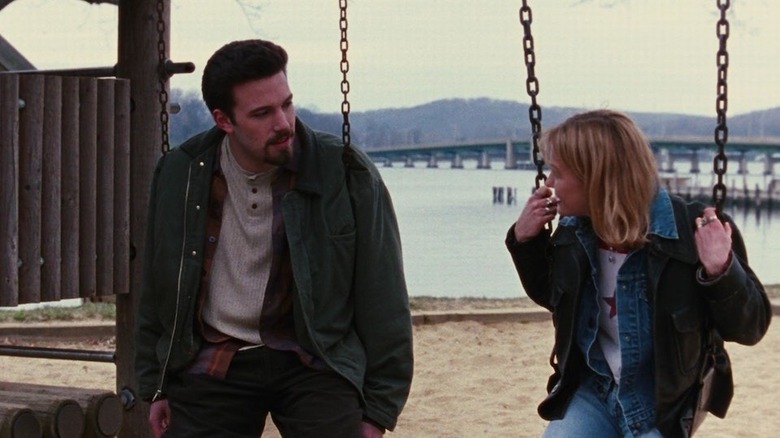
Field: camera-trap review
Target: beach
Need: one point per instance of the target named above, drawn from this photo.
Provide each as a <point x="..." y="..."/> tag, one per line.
<point x="481" y="376"/>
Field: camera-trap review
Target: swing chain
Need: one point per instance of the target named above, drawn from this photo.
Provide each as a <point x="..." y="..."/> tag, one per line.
<point x="720" y="162"/>
<point x="162" y="75"/>
<point x="532" y="88"/>
<point x="345" y="129"/>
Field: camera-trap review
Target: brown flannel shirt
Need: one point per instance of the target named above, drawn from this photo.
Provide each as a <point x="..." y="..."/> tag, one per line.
<point x="276" y="323"/>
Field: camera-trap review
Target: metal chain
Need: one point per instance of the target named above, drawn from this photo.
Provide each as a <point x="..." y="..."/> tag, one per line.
<point x="532" y="87"/>
<point x="720" y="162"/>
<point x="162" y="75"/>
<point x="345" y="128"/>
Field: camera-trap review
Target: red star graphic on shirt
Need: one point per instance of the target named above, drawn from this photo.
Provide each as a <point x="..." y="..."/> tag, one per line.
<point x="612" y="305"/>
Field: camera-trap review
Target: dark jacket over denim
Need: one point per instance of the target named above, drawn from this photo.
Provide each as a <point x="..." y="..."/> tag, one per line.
<point x="350" y="302"/>
<point x="554" y="268"/>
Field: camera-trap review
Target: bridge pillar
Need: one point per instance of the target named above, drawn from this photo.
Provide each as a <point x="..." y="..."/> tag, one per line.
<point x="695" y="161"/>
<point x="665" y="160"/>
<point x="484" y="161"/>
<point x="511" y="159"/>
<point x="457" y="161"/>
<point x="409" y="162"/>
<point x="433" y="162"/>
<point x="743" y="169"/>
<point x="769" y="164"/>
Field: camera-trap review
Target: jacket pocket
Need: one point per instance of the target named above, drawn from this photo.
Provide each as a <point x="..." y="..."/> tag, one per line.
<point x="688" y="337"/>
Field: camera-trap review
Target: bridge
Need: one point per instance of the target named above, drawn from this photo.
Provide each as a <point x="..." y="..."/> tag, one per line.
<point x="516" y="154"/>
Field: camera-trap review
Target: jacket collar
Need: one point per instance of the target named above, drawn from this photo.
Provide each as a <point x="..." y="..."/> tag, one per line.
<point x="669" y="231"/>
<point x="304" y="163"/>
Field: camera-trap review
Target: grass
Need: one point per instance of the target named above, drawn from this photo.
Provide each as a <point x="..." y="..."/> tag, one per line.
<point x="87" y="311"/>
<point x="106" y="311"/>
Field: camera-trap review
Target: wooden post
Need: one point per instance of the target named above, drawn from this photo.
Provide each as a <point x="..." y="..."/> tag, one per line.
<point x="9" y="182"/>
<point x="138" y="61"/>
<point x="87" y="185"/>
<point x="104" y="220"/>
<point x="30" y="157"/>
<point x="122" y="187"/>
<point x="51" y="225"/>
<point x="70" y="188"/>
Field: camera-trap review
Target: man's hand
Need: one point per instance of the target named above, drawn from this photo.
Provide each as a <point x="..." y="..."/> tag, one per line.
<point x="159" y="417"/>
<point x="368" y="430"/>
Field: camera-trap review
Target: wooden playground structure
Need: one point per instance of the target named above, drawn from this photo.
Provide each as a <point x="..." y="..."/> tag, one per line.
<point x="77" y="152"/>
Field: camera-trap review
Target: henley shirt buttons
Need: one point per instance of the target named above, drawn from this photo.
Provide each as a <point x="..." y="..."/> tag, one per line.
<point x="194" y="253"/>
<point x="254" y="206"/>
<point x="212" y="239"/>
<point x="202" y="164"/>
<point x="254" y="189"/>
<point x="197" y="207"/>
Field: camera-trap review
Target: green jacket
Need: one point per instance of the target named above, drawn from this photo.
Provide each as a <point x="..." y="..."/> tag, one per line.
<point x="350" y="301"/>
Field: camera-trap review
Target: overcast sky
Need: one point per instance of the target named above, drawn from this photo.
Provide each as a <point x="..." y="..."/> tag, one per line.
<point x="632" y="55"/>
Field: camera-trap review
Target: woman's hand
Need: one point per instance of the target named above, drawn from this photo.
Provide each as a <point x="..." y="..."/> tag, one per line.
<point x="713" y="242"/>
<point x="540" y="208"/>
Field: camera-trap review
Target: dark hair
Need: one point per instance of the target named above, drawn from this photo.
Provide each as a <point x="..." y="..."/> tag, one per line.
<point x="236" y="63"/>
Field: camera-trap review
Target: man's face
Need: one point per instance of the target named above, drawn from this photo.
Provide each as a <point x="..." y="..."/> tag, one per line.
<point x="263" y="126"/>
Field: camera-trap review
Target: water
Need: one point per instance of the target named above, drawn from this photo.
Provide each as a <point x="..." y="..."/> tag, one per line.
<point x="453" y="234"/>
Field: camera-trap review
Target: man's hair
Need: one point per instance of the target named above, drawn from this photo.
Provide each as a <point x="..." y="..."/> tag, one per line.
<point x="236" y="63"/>
<point x="609" y="154"/>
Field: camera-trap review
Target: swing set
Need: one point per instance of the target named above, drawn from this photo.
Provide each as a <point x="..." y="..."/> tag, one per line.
<point x="137" y="62"/>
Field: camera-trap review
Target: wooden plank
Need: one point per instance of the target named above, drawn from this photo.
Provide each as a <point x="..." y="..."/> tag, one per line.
<point x="51" y="195"/>
<point x="9" y="195"/>
<point x="30" y="184"/>
<point x="87" y="186"/>
<point x="70" y="188"/>
<point x="104" y="221"/>
<point x="122" y="187"/>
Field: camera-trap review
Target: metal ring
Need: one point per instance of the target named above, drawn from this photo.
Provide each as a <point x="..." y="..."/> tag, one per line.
<point x="548" y="202"/>
<point x="712" y="219"/>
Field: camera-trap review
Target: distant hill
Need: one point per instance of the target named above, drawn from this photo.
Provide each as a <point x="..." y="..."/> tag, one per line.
<point x="455" y="120"/>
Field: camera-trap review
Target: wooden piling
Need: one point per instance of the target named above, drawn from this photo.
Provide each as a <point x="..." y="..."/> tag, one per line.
<point x="18" y="421"/>
<point x="9" y="198"/>
<point x="102" y="409"/>
<point x="51" y="196"/>
<point x="104" y="176"/>
<point x="29" y="184"/>
<point x="70" y="188"/>
<point x="59" y="417"/>
<point x="87" y="186"/>
<point x="122" y="187"/>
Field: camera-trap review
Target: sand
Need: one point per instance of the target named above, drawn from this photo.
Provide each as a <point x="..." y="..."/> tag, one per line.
<point x="475" y="379"/>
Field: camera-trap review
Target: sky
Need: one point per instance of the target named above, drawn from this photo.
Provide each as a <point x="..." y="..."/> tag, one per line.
<point x="629" y="55"/>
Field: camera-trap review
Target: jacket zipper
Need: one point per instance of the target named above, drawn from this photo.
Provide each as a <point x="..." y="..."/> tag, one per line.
<point x="164" y="369"/>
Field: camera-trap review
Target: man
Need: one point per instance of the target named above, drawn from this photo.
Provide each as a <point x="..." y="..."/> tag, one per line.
<point x="273" y="279"/>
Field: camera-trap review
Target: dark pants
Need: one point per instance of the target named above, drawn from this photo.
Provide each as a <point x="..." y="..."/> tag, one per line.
<point x="303" y="402"/>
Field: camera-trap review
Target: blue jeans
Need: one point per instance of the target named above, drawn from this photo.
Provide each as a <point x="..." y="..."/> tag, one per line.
<point x="594" y="413"/>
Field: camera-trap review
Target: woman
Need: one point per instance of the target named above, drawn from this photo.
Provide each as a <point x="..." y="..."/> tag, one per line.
<point x="640" y="284"/>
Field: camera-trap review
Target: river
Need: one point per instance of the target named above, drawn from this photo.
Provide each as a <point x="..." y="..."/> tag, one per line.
<point x="453" y="234"/>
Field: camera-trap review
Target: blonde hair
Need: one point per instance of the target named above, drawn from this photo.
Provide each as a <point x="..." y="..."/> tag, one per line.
<point x="610" y="155"/>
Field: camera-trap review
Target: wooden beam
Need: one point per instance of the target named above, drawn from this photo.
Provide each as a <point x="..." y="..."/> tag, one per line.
<point x="138" y="62"/>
